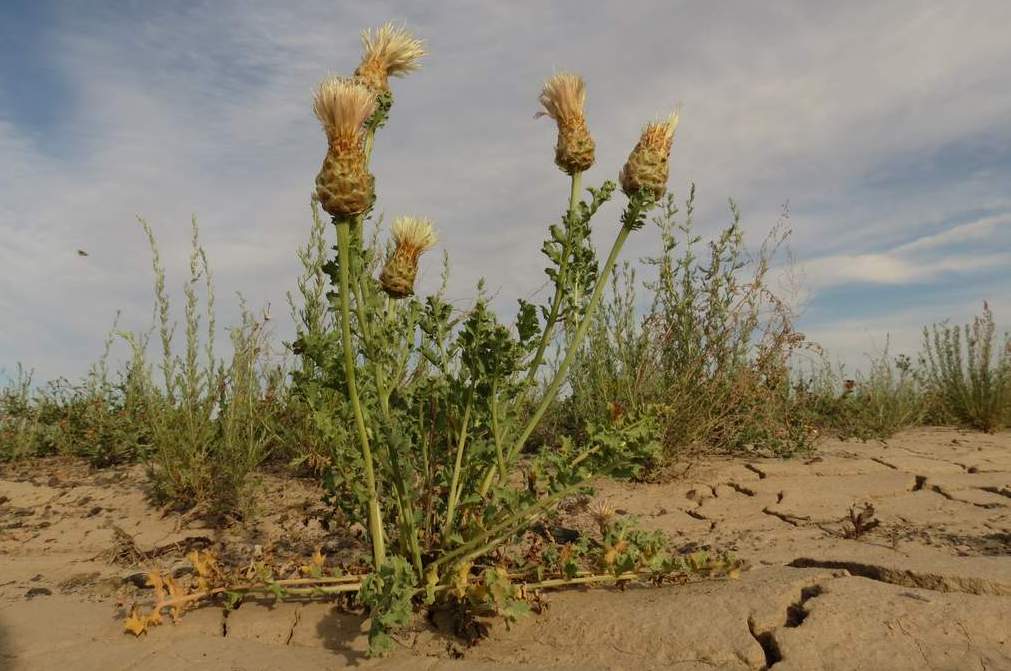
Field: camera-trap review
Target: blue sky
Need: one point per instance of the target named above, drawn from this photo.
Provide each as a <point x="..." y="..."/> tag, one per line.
<point x="885" y="126"/>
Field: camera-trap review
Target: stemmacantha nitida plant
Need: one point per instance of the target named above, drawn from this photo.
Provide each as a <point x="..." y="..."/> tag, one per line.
<point x="442" y="406"/>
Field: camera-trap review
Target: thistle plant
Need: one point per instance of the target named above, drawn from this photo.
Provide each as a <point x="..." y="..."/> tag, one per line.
<point x="442" y="404"/>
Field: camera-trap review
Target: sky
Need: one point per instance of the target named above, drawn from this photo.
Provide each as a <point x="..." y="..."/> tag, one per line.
<point x="883" y="127"/>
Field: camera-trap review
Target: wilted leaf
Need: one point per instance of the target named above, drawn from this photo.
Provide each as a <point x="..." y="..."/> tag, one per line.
<point x="135" y="623"/>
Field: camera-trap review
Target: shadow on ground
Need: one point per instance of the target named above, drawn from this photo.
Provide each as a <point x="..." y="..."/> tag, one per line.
<point x="6" y="649"/>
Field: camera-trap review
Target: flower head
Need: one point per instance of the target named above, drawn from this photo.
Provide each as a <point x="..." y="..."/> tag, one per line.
<point x="647" y="167"/>
<point x="562" y="98"/>
<point x="388" y="51"/>
<point x="412" y="237"/>
<point x="344" y="185"/>
<point x="343" y="105"/>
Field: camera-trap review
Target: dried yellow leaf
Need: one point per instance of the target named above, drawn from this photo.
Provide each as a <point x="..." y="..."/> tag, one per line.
<point x="135" y="623"/>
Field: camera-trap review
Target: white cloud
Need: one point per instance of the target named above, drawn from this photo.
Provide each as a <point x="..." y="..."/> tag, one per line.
<point x="206" y="110"/>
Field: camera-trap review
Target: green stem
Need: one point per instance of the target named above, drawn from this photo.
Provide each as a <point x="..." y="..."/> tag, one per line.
<point x="549" y="325"/>
<point x="375" y="515"/>
<point x="560" y="283"/>
<point x="499" y="454"/>
<point x="453" y="493"/>
<point x="370" y="138"/>
<point x="570" y="355"/>
<point x="503" y="529"/>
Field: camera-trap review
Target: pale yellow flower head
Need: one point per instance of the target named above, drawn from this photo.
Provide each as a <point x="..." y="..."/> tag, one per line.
<point x="343" y="105"/>
<point x="562" y="98"/>
<point x="412" y="237"/>
<point x="647" y="166"/>
<point x="388" y="51"/>
<point x="659" y="135"/>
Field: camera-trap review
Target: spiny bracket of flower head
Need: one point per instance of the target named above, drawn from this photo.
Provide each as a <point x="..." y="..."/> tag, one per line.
<point x="647" y="167"/>
<point x="344" y="185"/>
<point x="562" y="98"/>
<point x="387" y="51"/>
<point x="412" y="237"/>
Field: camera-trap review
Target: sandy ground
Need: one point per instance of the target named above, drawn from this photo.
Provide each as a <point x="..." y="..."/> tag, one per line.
<point x="928" y="588"/>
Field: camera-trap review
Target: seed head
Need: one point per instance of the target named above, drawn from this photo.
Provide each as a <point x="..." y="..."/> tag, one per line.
<point x="647" y="166"/>
<point x="562" y="98"/>
<point x="412" y="237"/>
<point x="602" y="513"/>
<point x="388" y="51"/>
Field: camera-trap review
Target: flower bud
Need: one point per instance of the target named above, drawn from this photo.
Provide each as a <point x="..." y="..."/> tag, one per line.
<point x="562" y="98"/>
<point x="647" y="166"/>
<point x="412" y="237"/>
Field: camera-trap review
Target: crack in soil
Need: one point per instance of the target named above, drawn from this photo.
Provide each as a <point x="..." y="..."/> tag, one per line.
<point x="294" y="623"/>
<point x="793" y="520"/>
<point x="923" y="455"/>
<point x="921" y="480"/>
<point x="754" y="469"/>
<point x="768" y="644"/>
<point x="909" y="578"/>
<point x="1000" y="491"/>
<point x="951" y="497"/>
<point x="795" y="615"/>
<point x="702" y="518"/>
<point x="741" y="489"/>
<point x="884" y="463"/>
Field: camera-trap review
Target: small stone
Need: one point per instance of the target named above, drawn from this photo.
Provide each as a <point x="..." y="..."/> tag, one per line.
<point x="181" y="569"/>
<point x="138" y="580"/>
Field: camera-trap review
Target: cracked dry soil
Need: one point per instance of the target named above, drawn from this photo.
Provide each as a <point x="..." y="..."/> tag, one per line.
<point x="927" y="587"/>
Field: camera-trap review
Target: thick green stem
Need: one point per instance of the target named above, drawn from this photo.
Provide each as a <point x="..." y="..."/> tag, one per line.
<point x="370" y="139"/>
<point x="560" y="283"/>
<point x="496" y="433"/>
<point x="552" y="319"/>
<point x="570" y="355"/>
<point x="454" y="494"/>
<point x="375" y="515"/>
